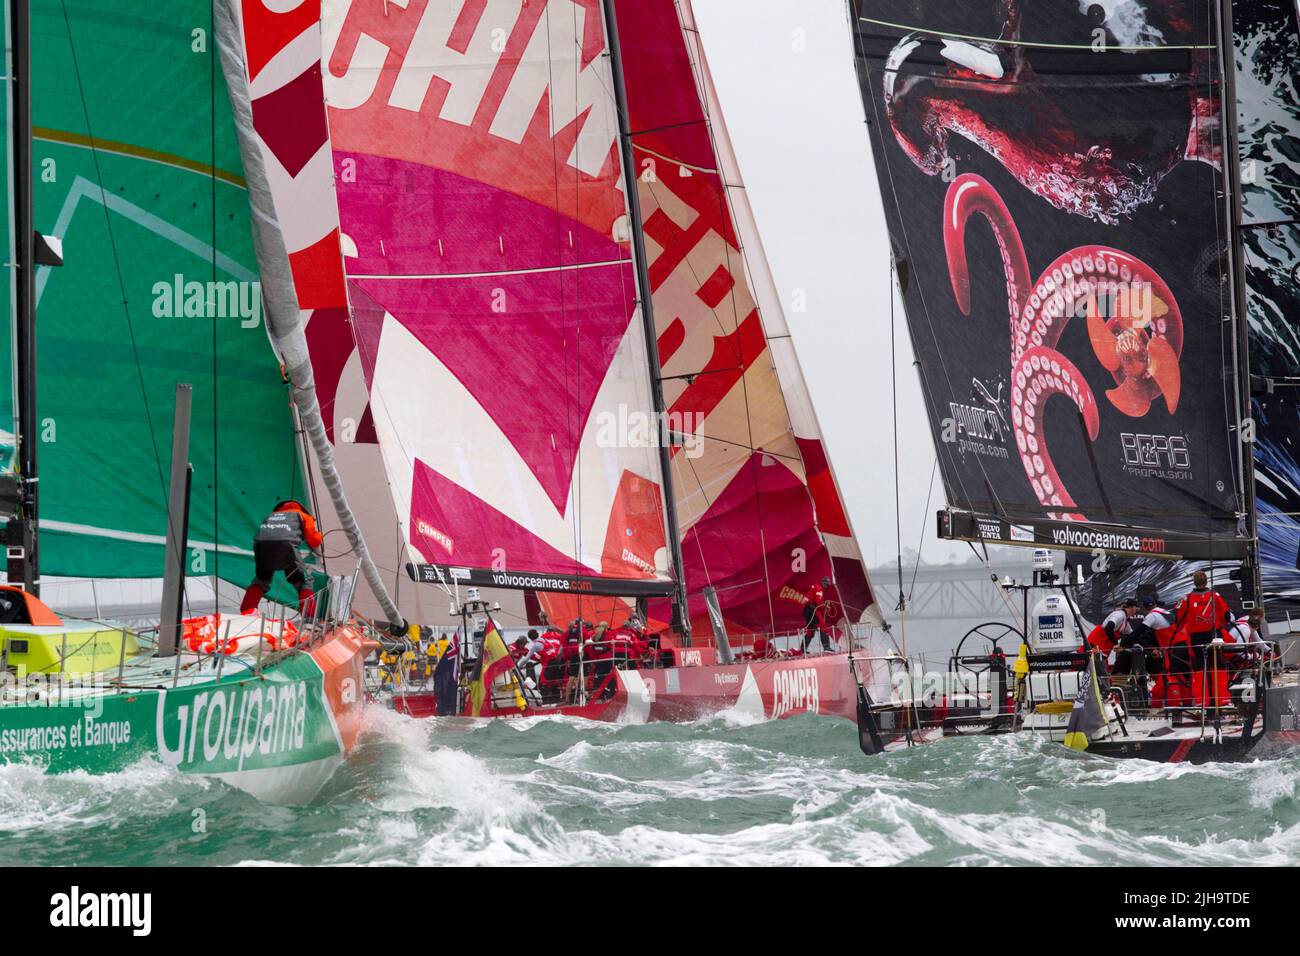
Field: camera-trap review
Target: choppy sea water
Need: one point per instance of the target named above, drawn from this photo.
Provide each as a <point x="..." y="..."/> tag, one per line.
<point x="563" y="791"/>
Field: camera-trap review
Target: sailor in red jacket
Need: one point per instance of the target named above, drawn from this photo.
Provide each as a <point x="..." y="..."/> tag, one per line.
<point x="550" y="661"/>
<point x="628" y="641"/>
<point x="1115" y="626"/>
<point x="816" y="616"/>
<point x="275" y="548"/>
<point x="1173" y="686"/>
<point x="1202" y="614"/>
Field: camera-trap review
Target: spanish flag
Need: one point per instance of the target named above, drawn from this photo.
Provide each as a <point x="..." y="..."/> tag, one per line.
<point x="494" y="662"/>
<point x="1088" y="715"/>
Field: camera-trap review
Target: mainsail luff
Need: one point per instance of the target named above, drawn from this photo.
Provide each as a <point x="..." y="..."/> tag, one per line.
<point x="21" y="535"/>
<point x="1226" y="62"/>
<point x="279" y="293"/>
<point x="681" y="619"/>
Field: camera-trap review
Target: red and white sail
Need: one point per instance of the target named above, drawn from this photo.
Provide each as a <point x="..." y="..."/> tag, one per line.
<point x="485" y="246"/>
<point x="761" y="515"/>
<point x="463" y="196"/>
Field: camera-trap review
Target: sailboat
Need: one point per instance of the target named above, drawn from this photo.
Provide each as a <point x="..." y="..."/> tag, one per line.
<point x="532" y="249"/>
<point x="154" y="330"/>
<point x="1092" y="190"/>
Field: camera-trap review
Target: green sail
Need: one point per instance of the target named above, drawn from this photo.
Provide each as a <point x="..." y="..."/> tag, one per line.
<point x="127" y="94"/>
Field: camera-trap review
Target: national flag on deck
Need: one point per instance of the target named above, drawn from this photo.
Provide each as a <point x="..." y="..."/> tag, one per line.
<point x="1088" y="716"/>
<point x="494" y="661"/>
<point x="446" y="678"/>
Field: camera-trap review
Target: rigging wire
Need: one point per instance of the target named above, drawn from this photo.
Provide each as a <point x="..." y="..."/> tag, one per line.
<point x="893" y="383"/>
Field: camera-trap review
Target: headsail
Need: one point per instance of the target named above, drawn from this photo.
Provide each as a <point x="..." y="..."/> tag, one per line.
<point x="493" y="302"/>
<point x="760" y="512"/>
<point x="1053" y="186"/>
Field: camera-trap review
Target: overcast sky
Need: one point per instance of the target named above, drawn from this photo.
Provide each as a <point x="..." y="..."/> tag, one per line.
<point x="796" y="121"/>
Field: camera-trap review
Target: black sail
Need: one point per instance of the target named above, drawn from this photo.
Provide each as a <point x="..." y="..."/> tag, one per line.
<point x="1052" y="177"/>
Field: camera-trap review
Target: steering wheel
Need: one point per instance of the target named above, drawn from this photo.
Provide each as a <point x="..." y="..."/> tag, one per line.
<point x="986" y="642"/>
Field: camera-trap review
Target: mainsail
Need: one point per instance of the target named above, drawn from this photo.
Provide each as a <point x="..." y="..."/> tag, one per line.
<point x="1053" y="184"/>
<point x="138" y="171"/>
<point x="484" y="232"/>
<point x="760" y="512"/>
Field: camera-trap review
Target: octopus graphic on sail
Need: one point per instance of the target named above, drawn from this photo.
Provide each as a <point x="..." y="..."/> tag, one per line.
<point x="1088" y="146"/>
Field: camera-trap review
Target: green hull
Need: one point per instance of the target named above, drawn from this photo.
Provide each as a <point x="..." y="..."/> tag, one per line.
<point x="275" y="736"/>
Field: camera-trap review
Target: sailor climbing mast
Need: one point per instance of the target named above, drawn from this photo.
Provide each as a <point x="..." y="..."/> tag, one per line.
<point x="681" y="615"/>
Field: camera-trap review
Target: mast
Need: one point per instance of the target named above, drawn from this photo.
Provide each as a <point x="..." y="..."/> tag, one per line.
<point x="1250" y="578"/>
<point x="21" y="537"/>
<point x="681" y="613"/>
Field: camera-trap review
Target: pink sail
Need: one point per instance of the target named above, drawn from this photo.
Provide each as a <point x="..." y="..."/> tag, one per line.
<point x="461" y="202"/>
<point x="484" y="235"/>
<point x="761" y="515"/>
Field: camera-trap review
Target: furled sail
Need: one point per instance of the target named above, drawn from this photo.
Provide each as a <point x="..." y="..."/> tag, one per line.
<point x="484" y="231"/>
<point x="137" y="170"/>
<point x="760" y="513"/>
<point x="1052" y="179"/>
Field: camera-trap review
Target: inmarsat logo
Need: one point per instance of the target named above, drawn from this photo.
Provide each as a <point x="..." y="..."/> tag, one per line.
<point x="76" y="909"/>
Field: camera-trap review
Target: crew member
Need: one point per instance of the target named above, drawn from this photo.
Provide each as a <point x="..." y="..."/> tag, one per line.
<point x="275" y="548"/>
<point x="816" y="616"/>
<point x="628" y="642"/>
<point x="1109" y="634"/>
<point x="531" y="651"/>
<point x="1173" y="686"/>
<point x="550" y="663"/>
<point x="1201" y="614"/>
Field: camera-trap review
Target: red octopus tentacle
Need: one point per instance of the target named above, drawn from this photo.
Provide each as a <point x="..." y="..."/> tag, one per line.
<point x="968" y="195"/>
<point x="1039" y="374"/>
